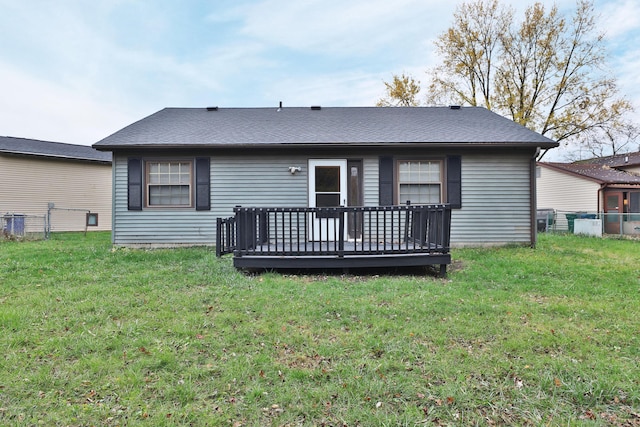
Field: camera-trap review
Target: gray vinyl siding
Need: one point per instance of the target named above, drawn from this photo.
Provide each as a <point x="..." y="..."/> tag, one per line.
<point x="496" y="202"/>
<point x="156" y="227"/>
<point x="260" y="181"/>
<point x="370" y="167"/>
<point x="236" y="180"/>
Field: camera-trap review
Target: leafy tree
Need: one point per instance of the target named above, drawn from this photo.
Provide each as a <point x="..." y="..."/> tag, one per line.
<point x="546" y="72"/>
<point x="469" y="49"/>
<point x="401" y="92"/>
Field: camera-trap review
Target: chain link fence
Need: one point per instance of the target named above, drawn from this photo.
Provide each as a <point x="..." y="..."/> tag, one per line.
<point x="590" y="223"/>
<point x="23" y="227"/>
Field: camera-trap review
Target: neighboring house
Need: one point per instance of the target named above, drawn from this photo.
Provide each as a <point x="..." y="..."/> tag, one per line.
<point x="606" y="185"/>
<point x="179" y="169"/>
<point x="628" y="162"/>
<point x="74" y="178"/>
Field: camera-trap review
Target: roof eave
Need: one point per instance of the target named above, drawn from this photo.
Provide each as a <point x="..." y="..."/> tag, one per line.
<point x="603" y="182"/>
<point x="570" y="172"/>
<point x="53" y="156"/>
<point x="109" y="147"/>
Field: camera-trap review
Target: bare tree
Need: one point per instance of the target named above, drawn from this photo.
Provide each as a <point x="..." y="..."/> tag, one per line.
<point x="546" y="72"/>
<point x="468" y="50"/>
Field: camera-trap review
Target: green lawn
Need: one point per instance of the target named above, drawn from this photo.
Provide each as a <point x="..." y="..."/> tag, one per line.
<point x="514" y="336"/>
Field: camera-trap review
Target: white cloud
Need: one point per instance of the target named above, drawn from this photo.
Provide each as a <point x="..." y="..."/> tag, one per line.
<point x="34" y="108"/>
<point x="354" y="28"/>
<point x="620" y="18"/>
<point x="76" y="71"/>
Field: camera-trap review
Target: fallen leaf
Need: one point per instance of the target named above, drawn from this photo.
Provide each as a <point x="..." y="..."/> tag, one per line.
<point x="557" y="382"/>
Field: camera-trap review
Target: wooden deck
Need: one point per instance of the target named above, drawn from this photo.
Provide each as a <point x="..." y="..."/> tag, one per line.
<point x="355" y="237"/>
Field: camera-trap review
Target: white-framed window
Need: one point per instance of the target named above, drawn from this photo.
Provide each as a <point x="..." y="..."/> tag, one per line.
<point x="420" y="181"/>
<point x="169" y="183"/>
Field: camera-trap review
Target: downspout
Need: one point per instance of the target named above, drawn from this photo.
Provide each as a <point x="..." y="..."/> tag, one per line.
<point x="600" y="207"/>
<point x="603" y="187"/>
<point x="533" y="198"/>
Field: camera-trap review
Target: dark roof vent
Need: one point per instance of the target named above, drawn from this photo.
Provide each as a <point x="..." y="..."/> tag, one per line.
<point x="316" y="107"/>
<point x="454" y="107"/>
<point x="212" y="108"/>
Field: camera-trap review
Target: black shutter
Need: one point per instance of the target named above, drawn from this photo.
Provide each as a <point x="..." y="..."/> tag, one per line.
<point x="134" y="178"/>
<point x="203" y="183"/>
<point x="385" y="181"/>
<point x="454" y="181"/>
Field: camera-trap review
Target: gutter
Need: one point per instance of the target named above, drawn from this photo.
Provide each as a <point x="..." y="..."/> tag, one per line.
<point x="53" y="156"/>
<point x="258" y="145"/>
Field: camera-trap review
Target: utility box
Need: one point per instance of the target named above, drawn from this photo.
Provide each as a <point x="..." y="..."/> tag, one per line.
<point x="14" y="224"/>
<point x="589" y="227"/>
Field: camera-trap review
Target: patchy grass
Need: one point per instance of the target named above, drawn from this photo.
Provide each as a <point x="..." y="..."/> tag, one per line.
<point x="111" y="337"/>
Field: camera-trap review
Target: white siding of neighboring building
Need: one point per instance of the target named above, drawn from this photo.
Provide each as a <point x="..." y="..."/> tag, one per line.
<point x="29" y="184"/>
<point x="566" y="192"/>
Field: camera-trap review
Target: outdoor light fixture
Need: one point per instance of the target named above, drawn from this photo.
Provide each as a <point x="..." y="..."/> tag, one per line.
<point x="294" y="169"/>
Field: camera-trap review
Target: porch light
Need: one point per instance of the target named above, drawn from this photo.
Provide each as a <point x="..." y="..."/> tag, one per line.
<point x="294" y="169"/>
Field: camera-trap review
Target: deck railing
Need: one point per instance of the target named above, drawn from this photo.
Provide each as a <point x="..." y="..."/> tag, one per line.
<point x="225" y="235"/>
<point x="338" y="231"/>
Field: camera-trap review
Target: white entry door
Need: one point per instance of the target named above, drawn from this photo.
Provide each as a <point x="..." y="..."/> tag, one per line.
<point x="327" y="188"/>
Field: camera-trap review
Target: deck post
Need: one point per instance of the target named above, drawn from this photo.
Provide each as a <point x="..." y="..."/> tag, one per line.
<point x="245" y="230"/>
<point x="218" y="237"/>
<point x="341" y="234"/>
<point x="443" y="271"/>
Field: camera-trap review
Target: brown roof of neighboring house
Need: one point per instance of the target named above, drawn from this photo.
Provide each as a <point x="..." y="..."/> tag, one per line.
<point x="617" y="161"/>
<point x="600" y="173"/>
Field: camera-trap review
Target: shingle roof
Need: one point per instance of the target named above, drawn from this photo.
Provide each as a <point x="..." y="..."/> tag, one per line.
<point x="600" y="173"/>
<point x="616" y="161"/>
<point x="194" y="127"/>
<point x="34" y="147"/>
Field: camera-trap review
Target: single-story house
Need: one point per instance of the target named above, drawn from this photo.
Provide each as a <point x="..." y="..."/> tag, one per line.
<point x="178" y="170"/>
<point x="55" y="181"/>
<point x="608" y="185"/>
<point x="628" y="162"/>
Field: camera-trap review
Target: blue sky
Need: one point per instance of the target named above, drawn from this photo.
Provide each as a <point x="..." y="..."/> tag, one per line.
<point x="76" y="71"/>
